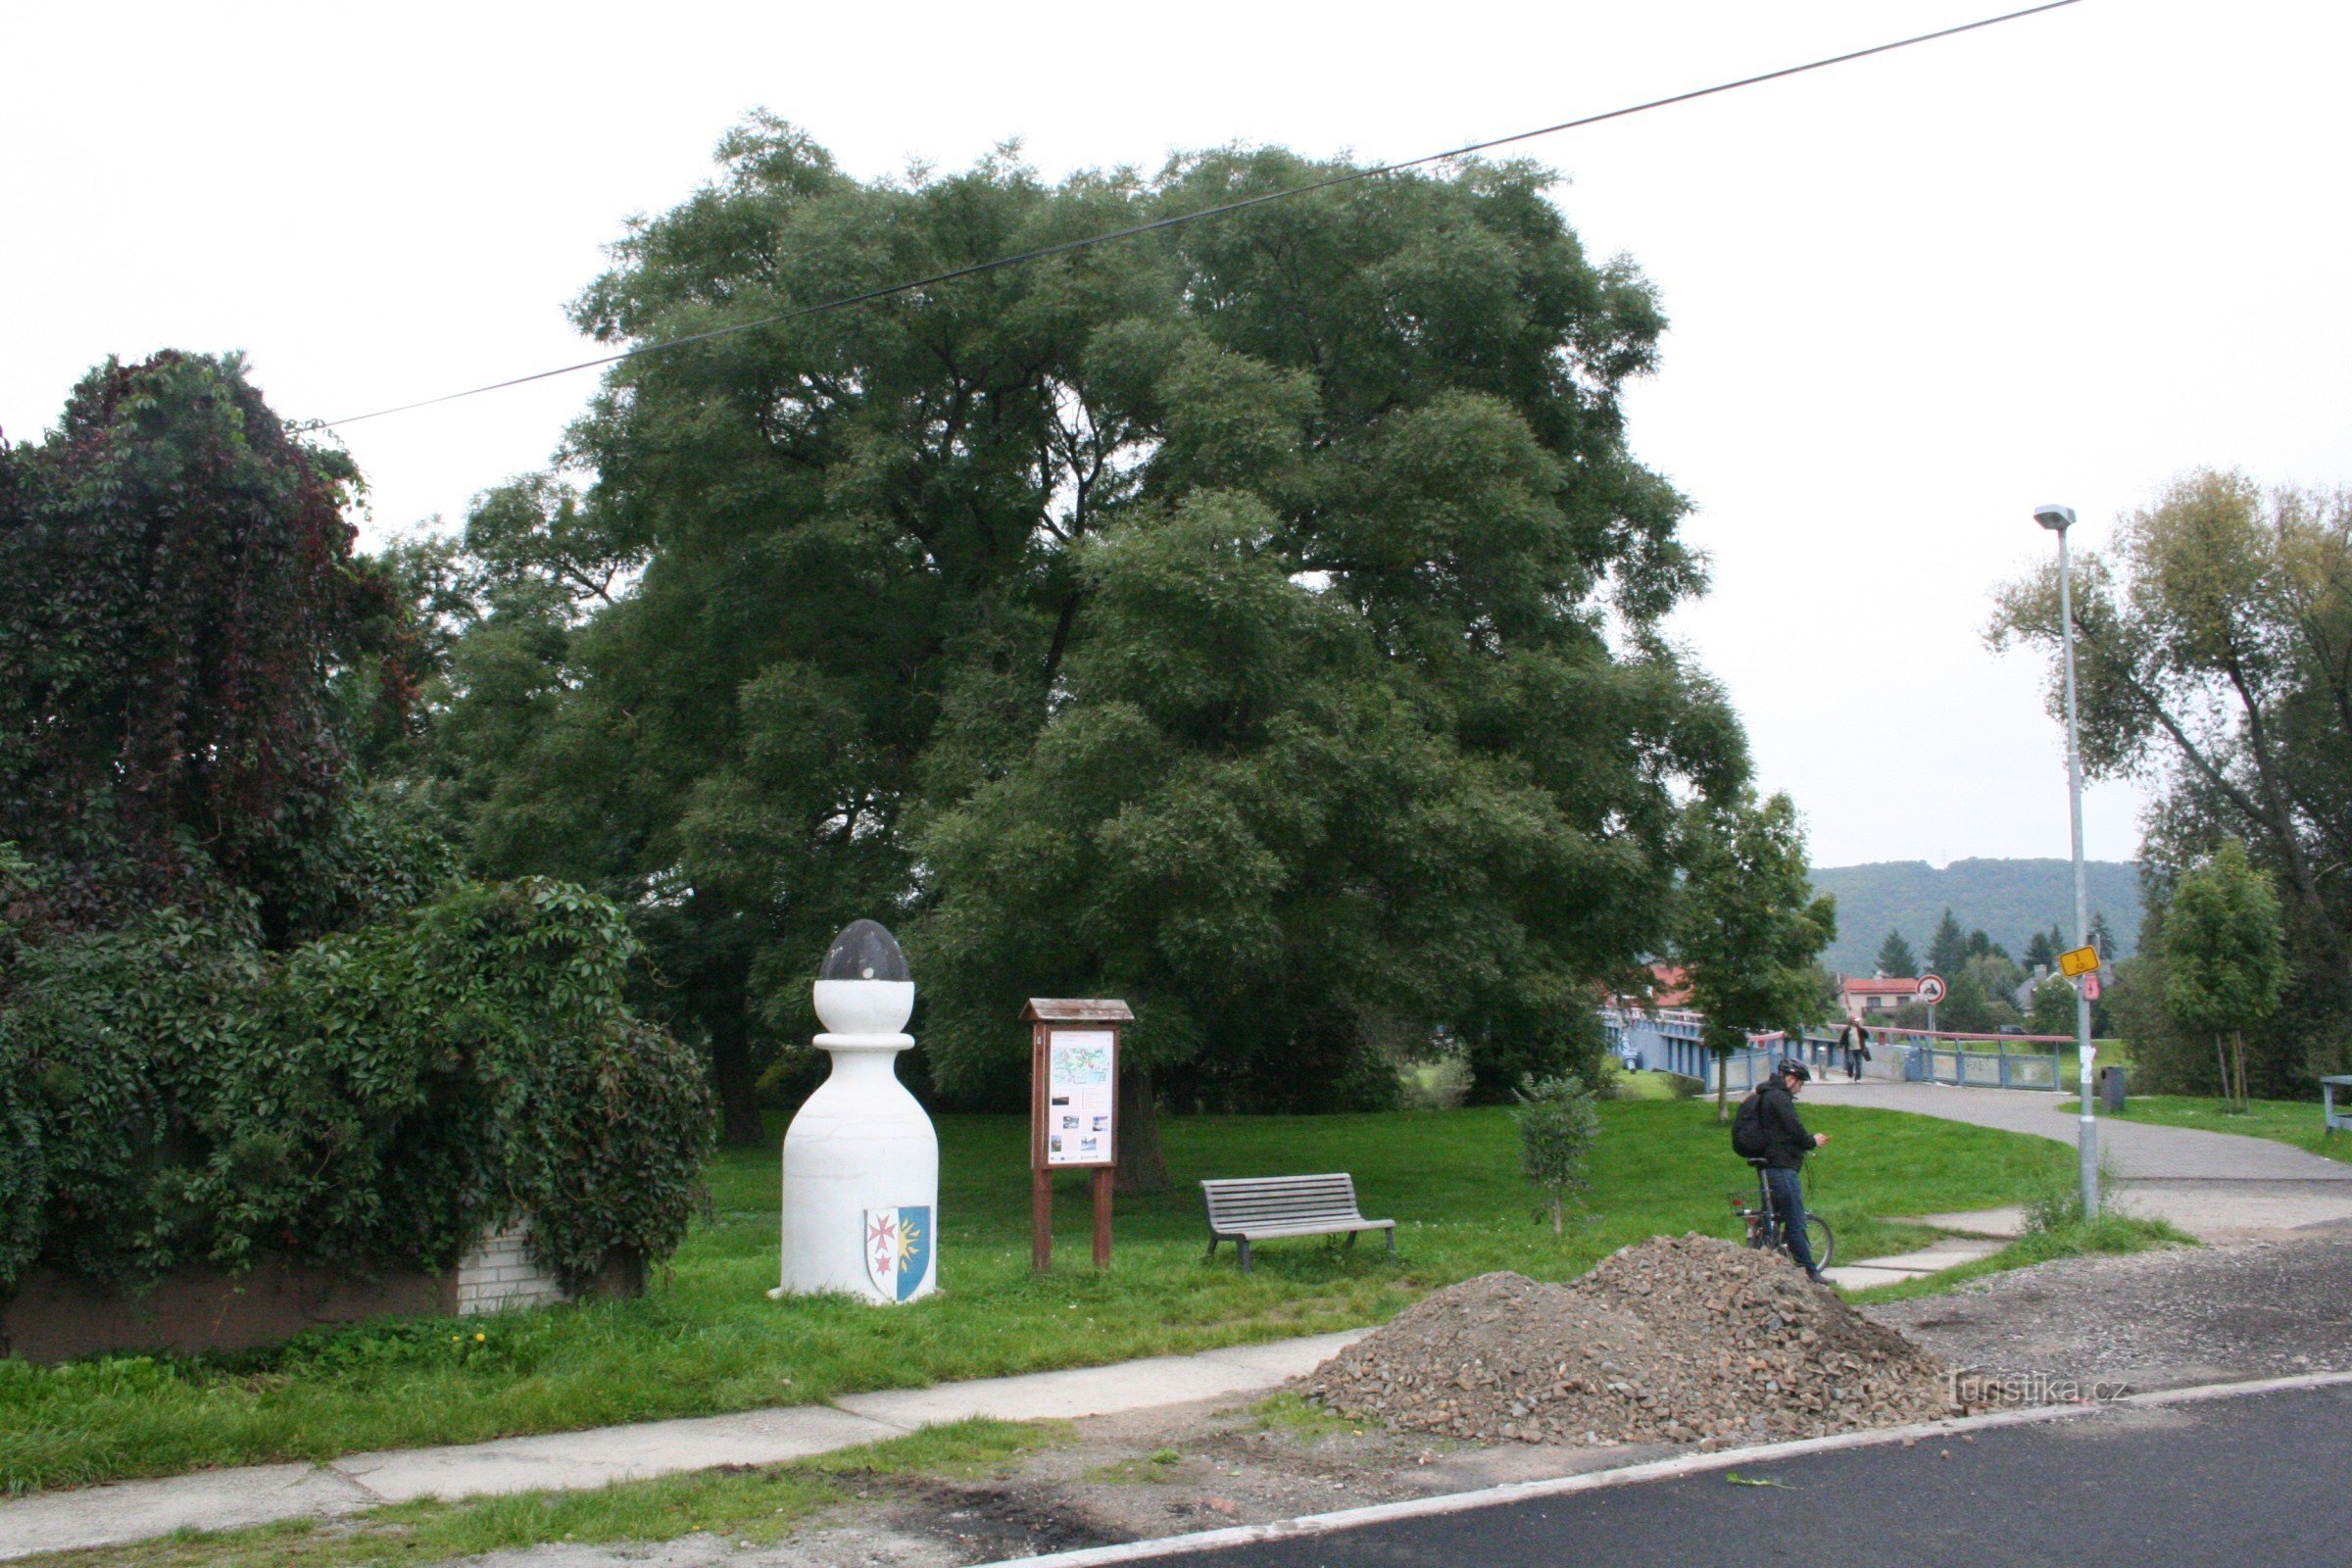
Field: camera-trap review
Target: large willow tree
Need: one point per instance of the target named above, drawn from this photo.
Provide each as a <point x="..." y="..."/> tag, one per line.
<point x="1255" y="619"/>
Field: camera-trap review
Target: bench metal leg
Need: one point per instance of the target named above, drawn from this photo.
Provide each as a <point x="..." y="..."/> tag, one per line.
<point x="1213" y="1251"/>
<point x="1245" y="1250"/>
<point x="1351" y="1240"/>
<point x="1391" y="1234"/>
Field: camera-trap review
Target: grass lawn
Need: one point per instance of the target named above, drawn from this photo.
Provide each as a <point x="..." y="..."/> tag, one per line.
<point x="2286" y="1121"/>
<point x="2110" y="1053"/>
<point x="706" y="1339"/>
<point x="747" y="1505"/>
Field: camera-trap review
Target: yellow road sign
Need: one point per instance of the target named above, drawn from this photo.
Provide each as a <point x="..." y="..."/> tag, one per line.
<point x="2082" y="961"/>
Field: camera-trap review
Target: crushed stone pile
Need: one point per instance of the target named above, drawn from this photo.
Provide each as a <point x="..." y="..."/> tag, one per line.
<point x="1678" y="1339"/>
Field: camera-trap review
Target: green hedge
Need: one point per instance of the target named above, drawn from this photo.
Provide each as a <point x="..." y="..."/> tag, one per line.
<point x="172" y="1095"/>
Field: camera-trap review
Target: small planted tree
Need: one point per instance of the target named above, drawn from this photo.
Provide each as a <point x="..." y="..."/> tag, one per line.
<point x="1751" y="927"/>
<point x="1557" y="1128"/>
<point x="2226" y="959"/>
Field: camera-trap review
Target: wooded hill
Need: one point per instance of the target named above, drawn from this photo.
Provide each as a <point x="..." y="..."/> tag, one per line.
<point x="2010" y="900"/>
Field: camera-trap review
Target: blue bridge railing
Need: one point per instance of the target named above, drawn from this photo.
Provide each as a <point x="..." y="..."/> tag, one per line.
<point x="1981" y="1061"/>
<point x="1668" y="1040"/>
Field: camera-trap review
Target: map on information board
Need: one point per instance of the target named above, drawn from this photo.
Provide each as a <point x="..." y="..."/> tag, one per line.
<point x="1081" y="1096"/>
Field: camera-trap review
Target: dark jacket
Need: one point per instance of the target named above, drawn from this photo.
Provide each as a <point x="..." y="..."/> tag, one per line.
<point x="1785" y="1141"/>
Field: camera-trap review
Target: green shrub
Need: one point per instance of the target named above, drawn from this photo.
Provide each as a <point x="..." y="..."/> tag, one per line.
<point x="1558" y="1126"/>
<point x="174" y="1095"/>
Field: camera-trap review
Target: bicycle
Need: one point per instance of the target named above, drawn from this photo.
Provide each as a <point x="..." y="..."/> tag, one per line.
<point x="1764" y="1224"/>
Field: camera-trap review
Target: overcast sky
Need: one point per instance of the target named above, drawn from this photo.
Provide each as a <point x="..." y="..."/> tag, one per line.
<point x="1911" y="298"/>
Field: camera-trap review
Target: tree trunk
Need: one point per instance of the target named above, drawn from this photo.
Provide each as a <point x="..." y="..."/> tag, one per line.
<point x="1557" y="1228"/>
<point x="1723" y="1087"/>
<point x="731" y="1071"/>
<point x="2237" y="1044"/>
<point x="2220" y="1067"/>
<point x="1142" y="1167"/>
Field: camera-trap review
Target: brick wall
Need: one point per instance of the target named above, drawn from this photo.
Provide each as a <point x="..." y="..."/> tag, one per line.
<point x="50" y="1318"/>
<point x="497" y="1273"/>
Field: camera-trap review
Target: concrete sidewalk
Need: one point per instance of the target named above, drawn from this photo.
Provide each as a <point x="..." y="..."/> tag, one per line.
<point x="2218" y="1187"/>
<point x="234" y="1500"/>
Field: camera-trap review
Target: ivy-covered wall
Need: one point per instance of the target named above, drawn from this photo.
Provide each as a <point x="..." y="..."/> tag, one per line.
<point x="174" y="1095"/>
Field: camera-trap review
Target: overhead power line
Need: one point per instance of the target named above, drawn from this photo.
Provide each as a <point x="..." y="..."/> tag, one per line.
<point x="1260" y="200"/>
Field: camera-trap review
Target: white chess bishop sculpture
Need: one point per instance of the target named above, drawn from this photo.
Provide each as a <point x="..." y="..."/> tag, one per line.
<point x="860" y="1159"/>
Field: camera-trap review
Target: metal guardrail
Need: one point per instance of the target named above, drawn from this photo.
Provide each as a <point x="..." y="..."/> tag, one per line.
<point x="1669" y="1041"/>
<point x="2015" y="1061"/>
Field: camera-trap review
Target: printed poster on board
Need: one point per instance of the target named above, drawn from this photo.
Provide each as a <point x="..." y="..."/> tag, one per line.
<point x="1081" y="1097"/>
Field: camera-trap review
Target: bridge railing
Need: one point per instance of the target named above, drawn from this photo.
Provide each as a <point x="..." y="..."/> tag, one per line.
<point x="1669" y="1041"/>
<point x="1981" y="1061"/>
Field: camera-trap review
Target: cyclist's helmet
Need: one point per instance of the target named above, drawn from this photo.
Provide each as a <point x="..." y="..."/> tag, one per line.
<point x="1790" y="1067"/>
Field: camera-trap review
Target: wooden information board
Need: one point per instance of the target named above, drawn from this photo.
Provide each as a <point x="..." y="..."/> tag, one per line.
<point x="1073" y="1110"/>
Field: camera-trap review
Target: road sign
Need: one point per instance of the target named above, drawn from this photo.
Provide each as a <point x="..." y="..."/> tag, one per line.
<point x="2082" y="961"/>
<point x="1930" y="989"/>
<point x="2090" y="986"/>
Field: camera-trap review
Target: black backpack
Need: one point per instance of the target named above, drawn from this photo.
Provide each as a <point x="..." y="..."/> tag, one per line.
<point x="1748" y="1127"/>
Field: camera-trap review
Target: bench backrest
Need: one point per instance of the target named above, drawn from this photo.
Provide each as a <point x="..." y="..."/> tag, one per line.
<point x="1244" y="1203"/>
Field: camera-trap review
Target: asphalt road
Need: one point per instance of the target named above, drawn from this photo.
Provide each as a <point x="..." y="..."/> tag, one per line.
<point x="2257" y="1479"/>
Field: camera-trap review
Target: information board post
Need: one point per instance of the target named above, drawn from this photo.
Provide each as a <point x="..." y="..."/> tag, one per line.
<point x="1103" y="1176"/>
<point x="1073" y="1110"/>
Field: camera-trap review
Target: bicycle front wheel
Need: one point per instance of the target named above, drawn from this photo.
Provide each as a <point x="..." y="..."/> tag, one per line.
<point x="1817" y="1234"/>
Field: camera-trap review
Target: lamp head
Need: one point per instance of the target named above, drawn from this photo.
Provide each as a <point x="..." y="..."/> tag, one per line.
<point x="2055" y="517"/>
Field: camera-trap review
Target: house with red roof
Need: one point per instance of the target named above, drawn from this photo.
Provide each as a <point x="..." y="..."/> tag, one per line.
<point x="1669" y="986"/>
<point x="1878" y="994"/>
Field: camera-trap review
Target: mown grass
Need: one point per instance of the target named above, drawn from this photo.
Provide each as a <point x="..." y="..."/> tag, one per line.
<point x="750" y="1505"/>
<point x="1651" y="1086"/>
<point x="706" y="1340"/>
<point x="2283" y="1121"/>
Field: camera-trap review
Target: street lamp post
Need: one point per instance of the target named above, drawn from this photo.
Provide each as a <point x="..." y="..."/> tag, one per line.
<point x="2058" y="520"/>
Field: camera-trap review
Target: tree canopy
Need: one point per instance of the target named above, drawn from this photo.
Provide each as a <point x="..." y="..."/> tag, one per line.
<point x="1255" y="619"/>
<point x="2212" y="662"/>
<point x="1895" y="958"/>
<point x="185" y="644"/>
<point x="244" y="1007"/>
<point x="2225" y="956"/>
<point x="1750" y="924"/>
<point x="1947" y="949"/>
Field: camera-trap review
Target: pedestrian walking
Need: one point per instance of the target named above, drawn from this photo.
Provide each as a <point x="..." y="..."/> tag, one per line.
<point x="1854" y="1041"/>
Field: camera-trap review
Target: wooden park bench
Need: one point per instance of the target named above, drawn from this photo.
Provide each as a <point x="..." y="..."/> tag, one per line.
<point x="1257" y="1208"/>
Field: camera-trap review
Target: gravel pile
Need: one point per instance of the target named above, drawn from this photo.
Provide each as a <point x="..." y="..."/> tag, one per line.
<point x="1677" y="1340"/>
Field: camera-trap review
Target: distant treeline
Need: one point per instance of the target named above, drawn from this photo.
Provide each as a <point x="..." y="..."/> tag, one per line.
<point x="2008" y="900"/>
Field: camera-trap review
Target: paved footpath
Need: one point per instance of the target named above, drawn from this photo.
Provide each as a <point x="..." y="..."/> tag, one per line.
<point x="234" y="1500"/>
<point x="2216" y="1186"/>
<point x="2252" y="1478"/>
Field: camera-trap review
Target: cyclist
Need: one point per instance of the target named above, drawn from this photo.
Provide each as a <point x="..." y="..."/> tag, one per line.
<point x="1785" y="1146"/>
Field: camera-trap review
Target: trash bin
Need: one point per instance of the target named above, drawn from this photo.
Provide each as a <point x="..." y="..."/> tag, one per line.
<point x="2111" y="1089"/>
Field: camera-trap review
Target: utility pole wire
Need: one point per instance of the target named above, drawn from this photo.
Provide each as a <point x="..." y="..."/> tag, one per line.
<point x="1350" y="177"/>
